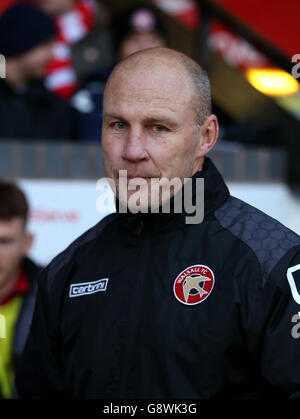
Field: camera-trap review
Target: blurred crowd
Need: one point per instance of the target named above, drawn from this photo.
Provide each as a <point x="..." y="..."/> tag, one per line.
<point x="58" y="56"/>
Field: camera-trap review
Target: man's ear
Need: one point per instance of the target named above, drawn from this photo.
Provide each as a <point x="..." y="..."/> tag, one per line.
<point x="209" y="132"/>
<point x="29" y="238"/>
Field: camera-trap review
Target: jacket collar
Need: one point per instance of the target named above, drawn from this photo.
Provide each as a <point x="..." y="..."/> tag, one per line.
<point x="215" y="193"/>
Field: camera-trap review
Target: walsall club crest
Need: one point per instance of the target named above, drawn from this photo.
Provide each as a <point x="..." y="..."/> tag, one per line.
<point x="194" y="284"/>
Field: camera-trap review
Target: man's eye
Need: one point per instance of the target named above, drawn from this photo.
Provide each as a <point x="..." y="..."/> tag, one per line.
<point x="119" y="125"/>
<point x="5" y="242"/>
<point x="159" y="128"/>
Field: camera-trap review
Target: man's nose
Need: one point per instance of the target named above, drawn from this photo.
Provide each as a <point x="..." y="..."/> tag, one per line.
<point x="134" y="149"/>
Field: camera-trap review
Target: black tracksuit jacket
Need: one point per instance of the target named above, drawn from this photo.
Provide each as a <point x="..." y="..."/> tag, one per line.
<point x="135" y="339"/>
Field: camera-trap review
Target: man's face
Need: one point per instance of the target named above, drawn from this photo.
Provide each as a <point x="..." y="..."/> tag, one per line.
<point x="149" y="124"/>
<point x="14" y="244"/>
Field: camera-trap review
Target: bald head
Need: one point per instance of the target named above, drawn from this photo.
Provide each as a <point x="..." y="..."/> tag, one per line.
<point x="188" y="75"/>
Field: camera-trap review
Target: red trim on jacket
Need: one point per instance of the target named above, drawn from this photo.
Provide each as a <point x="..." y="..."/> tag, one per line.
<point x="22" y="286"/>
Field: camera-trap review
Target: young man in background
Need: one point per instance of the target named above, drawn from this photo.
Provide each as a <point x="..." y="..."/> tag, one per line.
<point x="17" y="283"/>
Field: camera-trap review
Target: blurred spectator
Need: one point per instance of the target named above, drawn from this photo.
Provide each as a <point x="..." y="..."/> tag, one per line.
<point x="134" y="28"/>
<point x="17" y="282"/>
<point x="73" y="19"/>
<point x="27" y="108"/>
<point x="137" y="28"/>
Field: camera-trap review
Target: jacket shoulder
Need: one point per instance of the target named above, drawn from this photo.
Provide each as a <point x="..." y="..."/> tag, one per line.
<point x="268" y="238"/>
<point x="66" y="256"/>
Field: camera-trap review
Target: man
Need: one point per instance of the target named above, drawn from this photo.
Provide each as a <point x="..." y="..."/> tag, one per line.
<point x="146" y="305"/>
<point x="17" y="282"/>
<point x="27" y="108"/>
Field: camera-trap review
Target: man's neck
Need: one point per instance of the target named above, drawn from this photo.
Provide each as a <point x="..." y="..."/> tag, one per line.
<point x="9" y="285"/>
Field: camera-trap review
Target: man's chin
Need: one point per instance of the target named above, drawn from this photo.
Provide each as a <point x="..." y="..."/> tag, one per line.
<point x="139" y="203"/>
<point x="134" y="202"/>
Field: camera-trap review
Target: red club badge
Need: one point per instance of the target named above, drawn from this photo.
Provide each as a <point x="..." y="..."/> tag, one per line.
<point x="194" y="284"/>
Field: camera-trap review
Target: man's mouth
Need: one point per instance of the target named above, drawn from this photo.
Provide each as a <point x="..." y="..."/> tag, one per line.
<point x="136" y="177"/>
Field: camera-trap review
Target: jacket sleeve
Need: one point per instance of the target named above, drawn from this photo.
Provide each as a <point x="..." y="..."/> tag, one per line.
<point x="40" y="372"/>
<point x="280" y="360"/>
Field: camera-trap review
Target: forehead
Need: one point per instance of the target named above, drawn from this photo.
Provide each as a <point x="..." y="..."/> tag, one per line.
<point x="149" y="86"/>
<point x="11" y="226"/>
